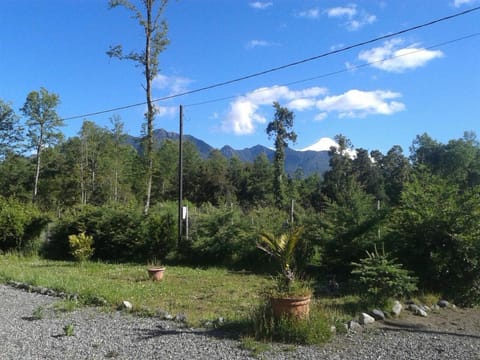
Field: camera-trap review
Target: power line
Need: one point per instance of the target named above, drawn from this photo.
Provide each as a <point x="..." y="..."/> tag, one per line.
<point x="336" y="72"/>
<point x="281" y="67"/>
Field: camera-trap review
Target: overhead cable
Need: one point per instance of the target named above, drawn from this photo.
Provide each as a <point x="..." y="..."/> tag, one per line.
<point x="344" y="70"/>
<point x="281" y="67"/>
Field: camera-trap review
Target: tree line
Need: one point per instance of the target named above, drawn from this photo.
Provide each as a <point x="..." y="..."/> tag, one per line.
<point x="422" y="209"/>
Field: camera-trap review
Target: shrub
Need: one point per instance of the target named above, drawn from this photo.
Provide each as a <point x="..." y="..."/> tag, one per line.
<point x="221" y="236"/>
<point x="81" y="246"/>
<point x="120" y="233"/>
<point x="20" y="225"/>
<point x="159" y="231"/>
<point x="382" y="278"/>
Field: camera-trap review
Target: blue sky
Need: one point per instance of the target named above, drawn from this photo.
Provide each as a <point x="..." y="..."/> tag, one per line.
<point x="420" y="86"/>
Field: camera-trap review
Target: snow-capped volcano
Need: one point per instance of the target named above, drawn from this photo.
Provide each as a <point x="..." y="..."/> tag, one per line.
<point x="324" y="144"/>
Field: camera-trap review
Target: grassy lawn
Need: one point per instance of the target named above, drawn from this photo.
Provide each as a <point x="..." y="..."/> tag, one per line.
<point x="201" y="294"/>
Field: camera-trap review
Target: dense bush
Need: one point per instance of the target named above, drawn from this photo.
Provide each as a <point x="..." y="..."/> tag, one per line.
<point x="159" y="231"/>
<point x="20" y="225"/>
<point x="220" y="236"/>
<point x="436" y="232"/>
<point x="119" y="233"/>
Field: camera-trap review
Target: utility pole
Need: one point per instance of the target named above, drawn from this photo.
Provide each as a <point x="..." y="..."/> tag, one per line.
<point x="180" y="179"/>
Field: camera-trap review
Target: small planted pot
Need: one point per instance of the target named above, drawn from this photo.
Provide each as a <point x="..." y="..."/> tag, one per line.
<point x="156" y="273"/>
<point x="291" y="306"/>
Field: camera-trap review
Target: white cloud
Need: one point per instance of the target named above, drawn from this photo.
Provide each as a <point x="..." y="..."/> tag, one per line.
<point x="174" y="84"/>
<point x="312" y="13"/>
<point x="257" y="43"/>
<point x="349" y="11"/>
<point x="357" y="103"/>
<point x="365" y="19"/>
<point x="301" y="104"/>
<point x="163" y="111"/>
<point x="458" y="3"/>
<point x="261" y="4"/>
<point x="355" y="18"/>
<point x="243" y="115"/>
<point x="393" y="58"/>
<point x="245" y="112"/>
<point x="320" y="116"/>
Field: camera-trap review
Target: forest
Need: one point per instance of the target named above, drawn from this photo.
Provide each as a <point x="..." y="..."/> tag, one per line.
<point x="421" y="210"/>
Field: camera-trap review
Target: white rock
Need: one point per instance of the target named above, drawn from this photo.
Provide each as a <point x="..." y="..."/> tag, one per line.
<point x="417" y="310"/>
<point x="421" y="312"/>
<point x="127" y="305"/>
<point x="377" y="314"/>
<point x="366" y="319"/>
<point x="354" y="326"/>
<point x="397" y="308"/>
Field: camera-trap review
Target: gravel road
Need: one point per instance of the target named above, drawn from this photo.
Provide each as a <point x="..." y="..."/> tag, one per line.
<point x="100" y="335"/>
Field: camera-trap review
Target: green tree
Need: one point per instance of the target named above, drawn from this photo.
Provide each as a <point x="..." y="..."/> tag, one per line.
<point x="435" y="232"/>
<point x="10" y="130"/>
<point x="192" y="163"/>
<point x="349" y="227"/>
<point x="340" y="168"/>
<point x="15" y="177"/>
<point x="369" y="174"/>
<point x="396" y="170"/>
<point x="259" y="182"/>
<point x="43" y="125"/>
<point x="280" y="128"/>
<point x="155" y="28"/>
<point x="216" y="187"/>
<point x="165" y="184"/>
<point x="237" y="174"/>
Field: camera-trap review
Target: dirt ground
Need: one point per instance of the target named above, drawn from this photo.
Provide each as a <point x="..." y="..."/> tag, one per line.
<point x="451" y="320"/>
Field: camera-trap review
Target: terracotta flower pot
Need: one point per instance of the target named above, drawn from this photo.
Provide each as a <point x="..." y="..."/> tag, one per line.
<point x="156" y="273"/>
<point x="294" y="306"/>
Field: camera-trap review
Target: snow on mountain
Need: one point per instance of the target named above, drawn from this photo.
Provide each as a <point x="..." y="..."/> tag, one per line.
<point x="323" y="144"/>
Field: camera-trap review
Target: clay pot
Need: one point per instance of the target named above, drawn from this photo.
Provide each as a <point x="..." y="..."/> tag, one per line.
<point x="156" y="273"/>
<point x="294" y="306"/>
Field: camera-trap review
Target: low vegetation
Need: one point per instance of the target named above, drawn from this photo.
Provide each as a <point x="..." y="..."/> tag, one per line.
<point x="88" y="205"/>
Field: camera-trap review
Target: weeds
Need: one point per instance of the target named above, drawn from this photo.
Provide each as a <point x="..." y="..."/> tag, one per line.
<point x="38" y="313"/>
<point x="68" y="330"/>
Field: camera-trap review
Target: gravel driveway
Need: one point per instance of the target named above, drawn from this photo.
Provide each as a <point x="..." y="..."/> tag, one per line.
<point x="100" y="335"/>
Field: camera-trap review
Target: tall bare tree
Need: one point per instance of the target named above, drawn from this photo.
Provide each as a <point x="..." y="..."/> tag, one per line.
<point x="42" y="125"/>
<point x="150" y="18"/>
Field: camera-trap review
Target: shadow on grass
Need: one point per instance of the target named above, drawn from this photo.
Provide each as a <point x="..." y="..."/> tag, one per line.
<point x="73" y="264"/>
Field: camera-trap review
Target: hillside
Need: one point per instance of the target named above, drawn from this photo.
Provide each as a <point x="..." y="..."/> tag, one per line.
<point x="307" y="161"/>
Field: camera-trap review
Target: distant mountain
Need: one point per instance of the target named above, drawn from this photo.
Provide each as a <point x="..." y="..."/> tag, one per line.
<point x="313" y="159"/>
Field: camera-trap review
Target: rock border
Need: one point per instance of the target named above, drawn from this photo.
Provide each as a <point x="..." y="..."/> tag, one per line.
<point x="366" y="318"/>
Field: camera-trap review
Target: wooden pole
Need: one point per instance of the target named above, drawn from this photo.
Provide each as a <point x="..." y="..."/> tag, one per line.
<point x="180" y="179"/>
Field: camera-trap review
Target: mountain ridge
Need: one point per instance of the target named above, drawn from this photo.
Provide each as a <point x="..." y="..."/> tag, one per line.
<point x="306" y="161"/>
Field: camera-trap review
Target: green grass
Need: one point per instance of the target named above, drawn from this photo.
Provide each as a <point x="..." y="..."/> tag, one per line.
<point x="201" y="294"/>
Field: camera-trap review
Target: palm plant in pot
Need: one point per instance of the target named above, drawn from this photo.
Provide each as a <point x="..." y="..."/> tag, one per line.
<point x="291" y="296"/>
<point x="155" y="270"/>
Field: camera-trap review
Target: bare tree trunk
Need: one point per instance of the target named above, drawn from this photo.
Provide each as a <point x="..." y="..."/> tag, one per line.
<point x="37" y="173"/>
<point x="150" y="108"/>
